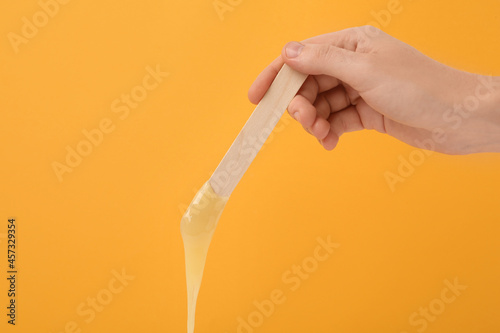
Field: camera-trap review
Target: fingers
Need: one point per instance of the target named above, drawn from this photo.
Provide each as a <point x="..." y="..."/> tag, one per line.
<point x="315" y="85"/>
<point x="342" y="117"/>
<point x="302" y="110"/>
<point x="320" y="128"/>
<point x="263" y="81"/>
<point x="325" y="82"/>
<point x="347" y="120"/>
<point x="346" y="40"/>
<point x="307" y="105"/>
<point x="322" y="105"/>
<point x="313" y="111"/>
<point x="353" y="118"/>
<point x="332" y="101"/>
<point x="327" y="59"/>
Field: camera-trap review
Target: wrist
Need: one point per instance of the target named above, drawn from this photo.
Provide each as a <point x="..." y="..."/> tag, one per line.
<point x="495" y="105"/>
<point x="487" y="93"/>
<point x="473" y="115"/>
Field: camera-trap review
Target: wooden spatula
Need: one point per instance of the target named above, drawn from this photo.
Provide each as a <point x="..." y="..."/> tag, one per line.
<point x="256" y="130"/>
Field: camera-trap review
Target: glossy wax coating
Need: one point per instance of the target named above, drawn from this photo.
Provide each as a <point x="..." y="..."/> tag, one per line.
<point x="197" y="228"/>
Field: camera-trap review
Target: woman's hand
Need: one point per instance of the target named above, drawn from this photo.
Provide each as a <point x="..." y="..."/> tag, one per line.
<point x="362" y="78"/>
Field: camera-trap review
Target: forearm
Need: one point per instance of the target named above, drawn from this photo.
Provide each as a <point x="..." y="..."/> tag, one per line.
<point x="496" y="96"/>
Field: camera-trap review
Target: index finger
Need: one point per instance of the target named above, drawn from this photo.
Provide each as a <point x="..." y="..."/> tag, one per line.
<point x="264" y="79"/>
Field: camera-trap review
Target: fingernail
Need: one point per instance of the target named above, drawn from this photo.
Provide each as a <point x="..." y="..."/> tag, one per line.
<point x="293" y="49"/>
<point x="296" y="116"/>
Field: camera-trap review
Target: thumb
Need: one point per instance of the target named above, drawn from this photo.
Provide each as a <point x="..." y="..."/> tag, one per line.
<point x="317" y="59"/>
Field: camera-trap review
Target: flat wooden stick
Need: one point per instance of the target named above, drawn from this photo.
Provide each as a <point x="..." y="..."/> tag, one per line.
<point x="256" y="130"/>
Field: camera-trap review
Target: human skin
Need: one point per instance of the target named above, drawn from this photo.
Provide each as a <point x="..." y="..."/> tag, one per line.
<point x="362" y="78"/>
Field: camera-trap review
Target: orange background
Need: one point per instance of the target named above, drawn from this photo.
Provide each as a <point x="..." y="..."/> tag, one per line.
<point x="120" y="208"/>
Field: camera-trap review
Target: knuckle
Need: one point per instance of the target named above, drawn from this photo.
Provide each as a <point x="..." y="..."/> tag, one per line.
<point x="324" y="52"/>
<point x="369" y="32"/>
<point x="329" y="53"/>
<point x="344" y="126"/>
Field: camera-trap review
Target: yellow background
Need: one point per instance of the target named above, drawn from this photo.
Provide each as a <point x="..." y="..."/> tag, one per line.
<point x="121" y="207"/>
